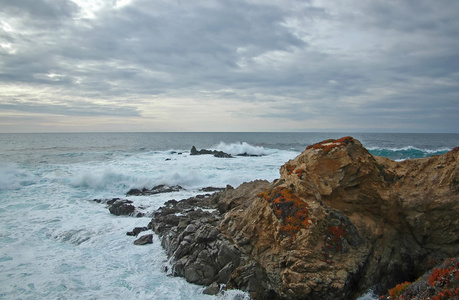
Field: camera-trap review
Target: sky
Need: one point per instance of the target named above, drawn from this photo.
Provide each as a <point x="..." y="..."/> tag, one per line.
<point x="229" y="65"/>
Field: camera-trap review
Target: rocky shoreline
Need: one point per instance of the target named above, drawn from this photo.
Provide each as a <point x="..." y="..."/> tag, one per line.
<point x="337" y="223"/>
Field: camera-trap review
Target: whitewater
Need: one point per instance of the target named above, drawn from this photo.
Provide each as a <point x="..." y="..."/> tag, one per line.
<point x="57" y="243"/>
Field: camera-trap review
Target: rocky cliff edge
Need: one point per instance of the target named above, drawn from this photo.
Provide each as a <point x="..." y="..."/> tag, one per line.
<point x="338" y="222"/>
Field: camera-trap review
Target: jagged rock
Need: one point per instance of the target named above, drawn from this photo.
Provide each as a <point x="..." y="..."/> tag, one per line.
<point x="159" y="189"/>
<point x="215" y="153"/>
<point x="136" y="231"/>
<point x="212" y="289"/>
<point x="441" y="282"/>
<point x="338" y="222"/>
<point x="249" y="155"/>
<point x="212" y="189"/>
<point x="120" y="207"/>
<point x="144" y="240"/>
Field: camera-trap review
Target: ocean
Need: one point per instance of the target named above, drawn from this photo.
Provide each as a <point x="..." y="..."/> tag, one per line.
<point x="57" y="243"/>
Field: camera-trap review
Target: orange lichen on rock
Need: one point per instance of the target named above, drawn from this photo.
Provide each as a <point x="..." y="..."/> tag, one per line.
<point x="327" y="145"/>
<point x="447" y="279"/>
<point x="445" y="276"/>
<point x="398" y="289"/>
<point x="289" y="209"/>
<point x="334" y="241"/>
<point x="442" y="284"/>
<point x="300" y="173"/>
<point x="289" y="168"/>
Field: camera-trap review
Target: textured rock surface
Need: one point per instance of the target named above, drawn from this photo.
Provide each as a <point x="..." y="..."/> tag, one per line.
<point x="144" y="240"/>
<point x="159" y="189"/>
<point x="215" y="153"/>
<point x="337" y="222"/>
<point x="440" y="283"/>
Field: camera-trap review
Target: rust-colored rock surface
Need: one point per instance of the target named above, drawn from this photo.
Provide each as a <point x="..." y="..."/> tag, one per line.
<point x="338" y="222"/>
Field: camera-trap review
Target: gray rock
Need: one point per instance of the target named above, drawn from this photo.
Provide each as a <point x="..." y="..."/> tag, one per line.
<point x="121" y="207"/>
<point x="136" y="231"/>
<point x="145" y="239"/>
<point x="212" y="289"/>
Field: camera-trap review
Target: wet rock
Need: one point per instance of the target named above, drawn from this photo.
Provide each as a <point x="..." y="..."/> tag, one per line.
<point x="144" y="240"/>
<point x="120" y="207"/>
<point x="212" y="289"/>
<point x="212" y="189"/>
<point x="159" y="189"/>
<point x="136" y="231"/>
<point x="215" y="153"/>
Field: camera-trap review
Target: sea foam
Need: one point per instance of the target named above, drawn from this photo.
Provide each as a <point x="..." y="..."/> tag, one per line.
<point x="241" y="148"/>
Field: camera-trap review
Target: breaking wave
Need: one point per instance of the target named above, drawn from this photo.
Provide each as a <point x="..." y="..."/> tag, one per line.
<point x="13" y="177"/>
<point x="241" y="148"/>
<point x="408" y="152"/>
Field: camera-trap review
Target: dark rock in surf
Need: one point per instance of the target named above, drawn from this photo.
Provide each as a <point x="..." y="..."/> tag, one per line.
<point x="159" y="189"/>
<point x="215" y="153"/>
<point x="212" y="189"/>
<point x="136" y="231"/>
<point x="212" y="289"/>
<point x="121" y="207"/>
<point x="144" y="240"/>
<point x="189" y="231"/>
<point x="249" y="155"/>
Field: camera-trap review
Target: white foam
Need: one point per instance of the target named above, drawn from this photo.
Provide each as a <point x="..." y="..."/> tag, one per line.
<point x="241" y="148"/>
<point x="72" y="248"/>
<point x="13" y="177"/>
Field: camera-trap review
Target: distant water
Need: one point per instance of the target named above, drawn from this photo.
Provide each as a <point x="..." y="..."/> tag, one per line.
<point x="57" y="244"/>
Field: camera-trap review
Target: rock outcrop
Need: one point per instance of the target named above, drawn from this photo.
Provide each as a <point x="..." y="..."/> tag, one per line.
<point x="215" y="153"/>
<point x="440" y="283"/>
<point x="144" y="240"/>
<point x="120" y="207"/>
<point x="159" y="189"/>
<point x="338" y="222"/>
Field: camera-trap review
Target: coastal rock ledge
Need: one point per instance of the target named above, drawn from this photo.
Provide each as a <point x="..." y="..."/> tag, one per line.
<point x="337" y="223"/>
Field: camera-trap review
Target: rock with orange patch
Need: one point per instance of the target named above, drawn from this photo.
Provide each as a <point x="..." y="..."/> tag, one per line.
<point x="339" y="221"/>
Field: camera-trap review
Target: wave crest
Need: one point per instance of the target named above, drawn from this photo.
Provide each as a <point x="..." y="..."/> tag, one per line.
<point x="12" y="177"/>
<point x="408" y="152"/>
<point x="241" y="148"/>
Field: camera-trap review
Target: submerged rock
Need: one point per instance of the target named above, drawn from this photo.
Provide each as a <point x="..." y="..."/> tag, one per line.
<point x="338" y="222"/>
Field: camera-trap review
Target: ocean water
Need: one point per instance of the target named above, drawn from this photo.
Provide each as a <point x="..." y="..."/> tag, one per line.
<point x="56" y="243"/>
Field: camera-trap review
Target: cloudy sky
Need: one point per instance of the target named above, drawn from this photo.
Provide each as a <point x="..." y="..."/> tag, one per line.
<point x="229" y="65"/>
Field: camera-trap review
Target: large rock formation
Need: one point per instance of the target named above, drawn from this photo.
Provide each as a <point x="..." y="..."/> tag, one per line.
<point x="338" y="222"/>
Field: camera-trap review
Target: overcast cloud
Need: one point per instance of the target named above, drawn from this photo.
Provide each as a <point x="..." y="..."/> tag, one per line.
<point x="239" y="65"/>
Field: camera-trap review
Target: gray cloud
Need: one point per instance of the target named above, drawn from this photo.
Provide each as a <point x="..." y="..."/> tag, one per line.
<point x="70" y="109"/>
<point x="378" y="62"/>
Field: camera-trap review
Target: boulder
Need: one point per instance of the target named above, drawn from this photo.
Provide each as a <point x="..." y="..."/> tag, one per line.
<point x="215" y="153"/>
<point x="120" y="207"/>
<point x="145" y="239"/>
<point x="159" y="189"/>
<point x="136" y="231"/>
<point x="337" y="222"/>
